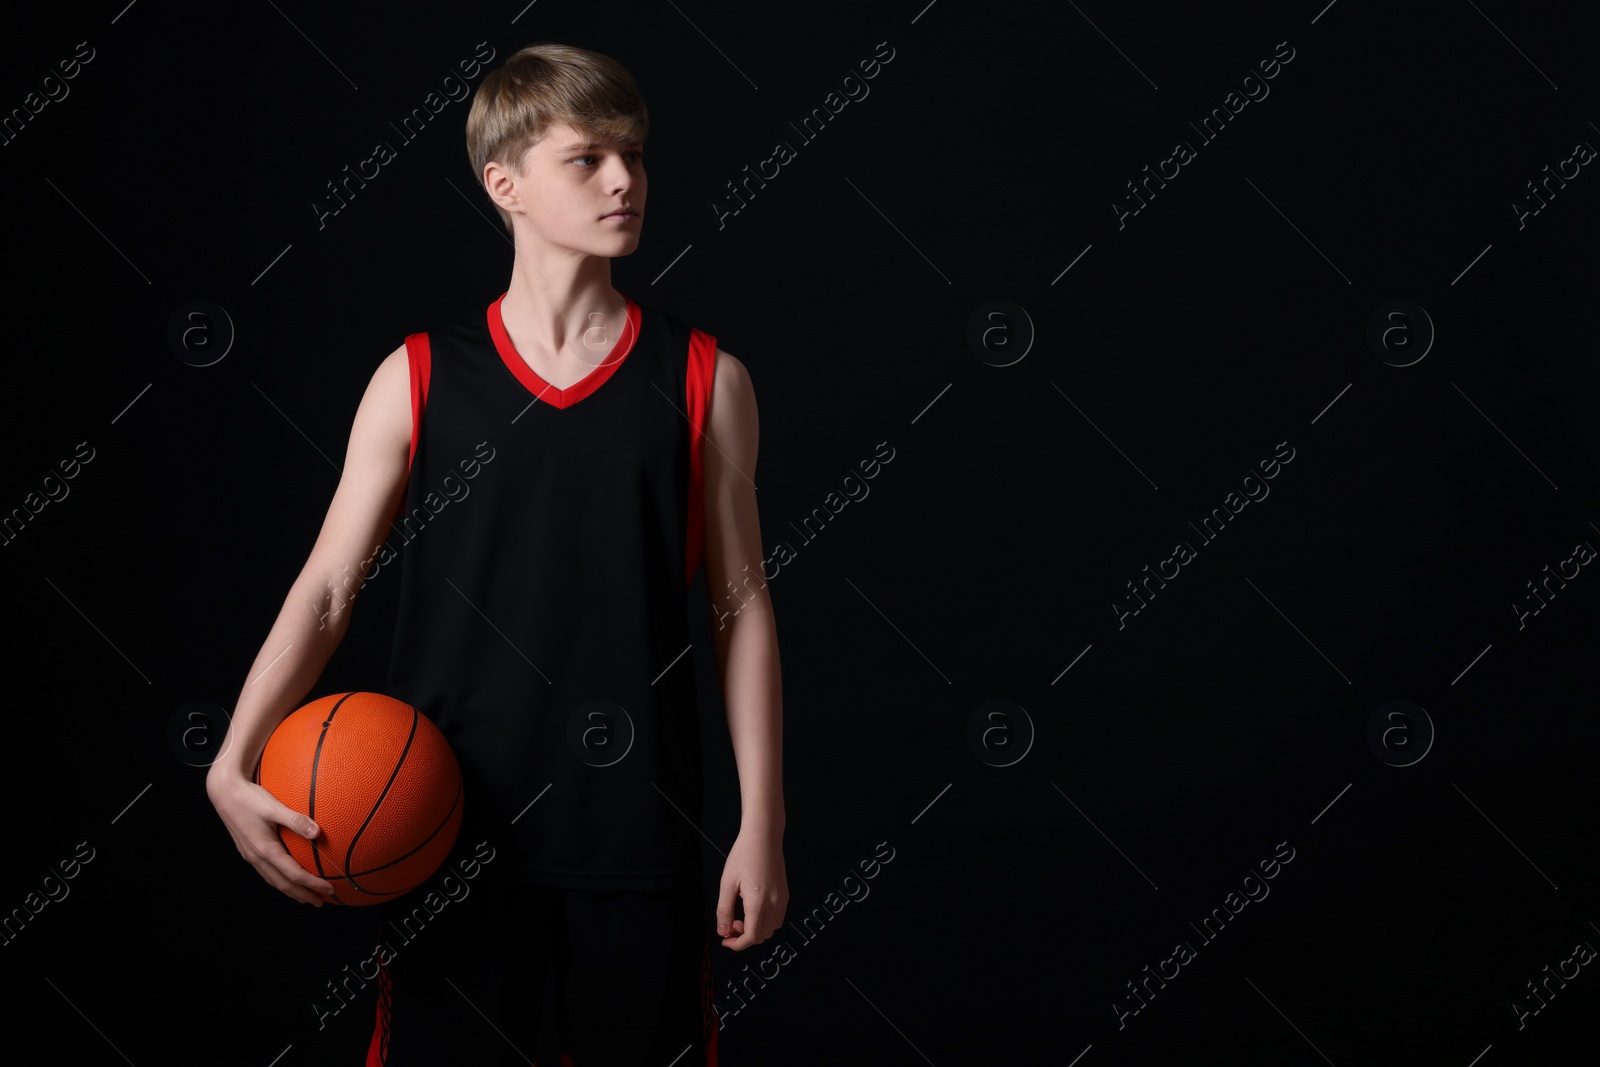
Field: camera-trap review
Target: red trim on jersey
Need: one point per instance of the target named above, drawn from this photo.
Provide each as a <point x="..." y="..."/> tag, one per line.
<point x="708" y="1010"/>
<point x="420" y="357"/>
<point x="702" y="370"/>
<point x="562" y="398"/>
<point x="378" y="1048"/>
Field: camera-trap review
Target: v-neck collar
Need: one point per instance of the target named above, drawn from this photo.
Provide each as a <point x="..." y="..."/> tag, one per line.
<point x="543" y="390"/>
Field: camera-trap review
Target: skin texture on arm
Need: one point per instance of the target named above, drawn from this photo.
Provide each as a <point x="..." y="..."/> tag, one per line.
<point x="313" y="620"/>
<point x="747" y="652"/>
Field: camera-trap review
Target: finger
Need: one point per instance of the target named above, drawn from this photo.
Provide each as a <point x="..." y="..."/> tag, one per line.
<point x="305" y="827"/>
<point x="300" y="823"/>
<point x="743" y="941"/>
<point x="291" y="870"/>
<point x="294" y="886"/>
<point x="286" y="885"/>
<point x="275" y="852"/>
<point x="725" y="900"/>
<point x="755" y="920"/>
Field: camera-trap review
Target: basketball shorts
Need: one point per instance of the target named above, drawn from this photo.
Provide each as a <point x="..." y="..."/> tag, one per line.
<point x="611" y="979"/>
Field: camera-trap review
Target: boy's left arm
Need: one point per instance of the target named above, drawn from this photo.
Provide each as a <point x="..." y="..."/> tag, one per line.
<point x="746" y="638"/>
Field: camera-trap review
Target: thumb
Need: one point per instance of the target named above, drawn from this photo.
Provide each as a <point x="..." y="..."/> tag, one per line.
<point x="300" y="824"/>
<point x="730" y="892"/>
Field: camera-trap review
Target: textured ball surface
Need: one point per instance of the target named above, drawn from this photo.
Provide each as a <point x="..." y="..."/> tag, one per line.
<point x="380" y="781"/>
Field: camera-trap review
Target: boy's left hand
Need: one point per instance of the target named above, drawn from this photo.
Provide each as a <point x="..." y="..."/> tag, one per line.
<point x="754" y="874"/>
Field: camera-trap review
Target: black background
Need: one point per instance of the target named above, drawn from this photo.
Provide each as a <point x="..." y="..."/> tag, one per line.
<point x="1230" y="314"/>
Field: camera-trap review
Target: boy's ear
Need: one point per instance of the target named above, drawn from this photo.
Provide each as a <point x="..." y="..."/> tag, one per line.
<point x="499" y="184"/>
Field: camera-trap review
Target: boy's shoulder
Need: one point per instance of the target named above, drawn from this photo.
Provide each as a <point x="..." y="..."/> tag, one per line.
<point x="457" y="319"/>
<point x="681" y="326"/>
<point x="648" y="307"/>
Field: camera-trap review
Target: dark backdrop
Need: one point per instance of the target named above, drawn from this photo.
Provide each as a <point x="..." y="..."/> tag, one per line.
<point x="1432" y="465"/>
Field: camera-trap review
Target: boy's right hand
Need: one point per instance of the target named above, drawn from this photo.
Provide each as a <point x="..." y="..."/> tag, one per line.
<point x="253" y="815"/>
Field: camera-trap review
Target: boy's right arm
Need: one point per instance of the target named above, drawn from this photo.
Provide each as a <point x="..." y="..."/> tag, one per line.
<point x="310" y="626"/>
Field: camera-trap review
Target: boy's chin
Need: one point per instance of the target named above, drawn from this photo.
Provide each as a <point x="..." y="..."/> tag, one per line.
<point x="603" y="247"/>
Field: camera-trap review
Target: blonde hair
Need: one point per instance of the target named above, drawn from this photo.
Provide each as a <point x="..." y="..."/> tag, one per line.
<point x="548" y="84"/>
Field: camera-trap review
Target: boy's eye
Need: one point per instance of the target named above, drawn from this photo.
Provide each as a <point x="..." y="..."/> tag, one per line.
<point x="636" y="156"/>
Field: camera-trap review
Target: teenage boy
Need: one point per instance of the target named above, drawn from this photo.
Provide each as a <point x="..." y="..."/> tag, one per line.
<point x="564" y="460"/>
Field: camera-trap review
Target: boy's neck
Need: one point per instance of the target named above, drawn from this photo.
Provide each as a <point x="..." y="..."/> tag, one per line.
<point x="551" y="306"/>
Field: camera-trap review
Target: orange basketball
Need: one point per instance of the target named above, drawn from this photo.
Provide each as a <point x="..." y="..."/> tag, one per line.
<point x="380" y="781"/>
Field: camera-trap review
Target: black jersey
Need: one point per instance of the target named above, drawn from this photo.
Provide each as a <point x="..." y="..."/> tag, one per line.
<point x="550" y="539"/>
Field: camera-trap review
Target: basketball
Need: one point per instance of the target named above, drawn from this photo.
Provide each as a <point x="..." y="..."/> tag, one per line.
<point x="380" y="781"/>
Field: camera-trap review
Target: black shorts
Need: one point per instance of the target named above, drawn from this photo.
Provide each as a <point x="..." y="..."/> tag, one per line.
<point x="624" y="977"/>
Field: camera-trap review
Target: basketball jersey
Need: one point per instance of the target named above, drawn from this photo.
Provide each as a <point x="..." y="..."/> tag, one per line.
<point x="550" y="539"/>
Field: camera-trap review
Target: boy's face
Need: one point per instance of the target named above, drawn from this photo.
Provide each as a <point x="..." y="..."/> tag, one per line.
<point x="573" y="184"/>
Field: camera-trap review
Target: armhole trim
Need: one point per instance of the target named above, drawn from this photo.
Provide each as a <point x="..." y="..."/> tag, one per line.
<point x="697" y="386"/>
<point x="420" y="358"/>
